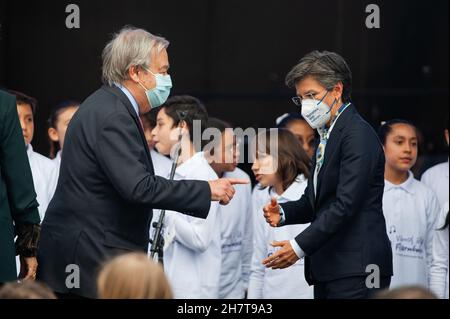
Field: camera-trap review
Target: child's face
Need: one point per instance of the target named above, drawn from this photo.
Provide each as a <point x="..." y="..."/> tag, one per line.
<point x="401" y="147"/>
<point x="58" y="133"/>
<point x="26" y="121"/>
<point x="305" y="135"/>
<point x="226" y="153"/>
<point x="165" y="135"/>
<point x="148" y="133"/>
<point x="264" y="169"/>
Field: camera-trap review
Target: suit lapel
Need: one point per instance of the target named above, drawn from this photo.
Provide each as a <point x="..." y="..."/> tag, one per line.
<point x="124" y="99"/>
<point x="333" y="142"/>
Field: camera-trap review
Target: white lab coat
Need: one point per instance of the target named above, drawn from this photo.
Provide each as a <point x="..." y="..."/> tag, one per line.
<point x="439" y="269"/>
<point x="411" y="210"/>
<point x="44" y="173"/>
<point x="436" y="178"/>
<point x="161" y="164"/>
<point x="236" y="239"/>
<point x="192" y="258"/>
<point x="266" y="283"/>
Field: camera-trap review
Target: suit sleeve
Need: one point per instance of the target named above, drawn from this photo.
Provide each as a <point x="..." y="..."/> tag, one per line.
<point x="118" y="151"/>
<point x="15" y="167"/>
<point x="360" y="157"/>
<point x="298" y="212"/>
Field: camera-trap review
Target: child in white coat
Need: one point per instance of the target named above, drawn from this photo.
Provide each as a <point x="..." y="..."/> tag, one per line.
<point x="58" y="122"/>
<point x="42" y="168"/>
<point x="236" y="217"/>
<point x="192" y="256"/>
<point x="282" y="176"/>
<point x="410" y="208"/>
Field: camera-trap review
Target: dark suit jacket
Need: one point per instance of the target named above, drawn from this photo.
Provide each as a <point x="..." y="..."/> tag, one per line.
<point x="105" y="193"/>
<point x="17" y="196"/>
<point x="347" y="231"/>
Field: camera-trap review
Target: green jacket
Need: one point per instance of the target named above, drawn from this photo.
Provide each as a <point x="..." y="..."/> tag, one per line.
<point x="17" y="195"/>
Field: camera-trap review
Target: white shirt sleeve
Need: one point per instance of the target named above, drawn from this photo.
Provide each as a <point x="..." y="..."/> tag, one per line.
<point x="440" y="255"/>
<point x="257" y="271"/>
<point x="196" y="233"/>
<point x="297" y="249"/>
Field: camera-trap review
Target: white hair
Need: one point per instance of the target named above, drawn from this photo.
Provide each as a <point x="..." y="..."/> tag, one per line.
<point x="130" y="47"/>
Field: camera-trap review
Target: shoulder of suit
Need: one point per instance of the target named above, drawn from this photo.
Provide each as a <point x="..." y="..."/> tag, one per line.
<point x="7" y="102"/>
<point x="102" y="103"/>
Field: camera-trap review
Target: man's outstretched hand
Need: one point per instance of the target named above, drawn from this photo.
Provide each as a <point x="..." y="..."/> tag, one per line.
<point x="272" y="213"/>
<point x="222" y="189"/>
<point x="283" y="258"/>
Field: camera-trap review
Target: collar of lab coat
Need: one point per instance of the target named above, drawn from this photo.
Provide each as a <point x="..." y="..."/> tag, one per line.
<point x="407" y="186"/>
<point x="30" y="150"/>
<point x="184" y="169"/>
<point x="292" y="192"/>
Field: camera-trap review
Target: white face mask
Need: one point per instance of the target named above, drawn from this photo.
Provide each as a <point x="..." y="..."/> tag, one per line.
<point x="316" y="113"/>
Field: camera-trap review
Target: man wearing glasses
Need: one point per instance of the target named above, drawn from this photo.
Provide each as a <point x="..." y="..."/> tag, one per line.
<point x="347" y="251"/>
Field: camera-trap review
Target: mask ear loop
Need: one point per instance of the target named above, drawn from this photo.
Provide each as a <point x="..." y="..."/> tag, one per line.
<point x="142" y="85"/>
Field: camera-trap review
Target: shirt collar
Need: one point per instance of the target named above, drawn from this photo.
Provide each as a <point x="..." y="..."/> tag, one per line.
<point x="185" y="168"/>
<point x="407" y="185"/>
<point x="293" y="191"/>
<point x="129" y="96"/>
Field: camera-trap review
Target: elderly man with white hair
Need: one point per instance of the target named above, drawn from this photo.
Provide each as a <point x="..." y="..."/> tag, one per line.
<point x="107" y="188"/>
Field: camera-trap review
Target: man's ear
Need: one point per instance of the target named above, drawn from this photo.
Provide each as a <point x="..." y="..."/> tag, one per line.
<point x="53" y="134"/>
<point x="133" y="73"/>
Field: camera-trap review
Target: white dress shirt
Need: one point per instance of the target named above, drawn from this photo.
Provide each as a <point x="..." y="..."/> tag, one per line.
<point x="266" y="283"/>
<point x="439" y="269"/>
<point x="192" y="257"/>
<point x="436" y="178"/>
<point x="411" y="210"/>
<point x="236" y="239"/>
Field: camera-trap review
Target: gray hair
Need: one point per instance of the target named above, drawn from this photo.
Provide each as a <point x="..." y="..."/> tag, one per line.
<point x="130" y="47"/>
<point x="328" y="68"/>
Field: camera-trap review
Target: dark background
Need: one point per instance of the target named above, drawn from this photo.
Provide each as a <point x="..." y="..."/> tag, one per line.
<point x="234" y="55"/>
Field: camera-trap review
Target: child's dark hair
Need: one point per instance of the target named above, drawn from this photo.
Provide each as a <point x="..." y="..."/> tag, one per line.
<point x="216" y="123"/>
<point x="150" y="117"/>
<point x="188" y="109"/>
<point x="386" y="128"/>
<point x="292" y="159"/>
<point x="53" y="119"/>
<point x="22" y="98"/>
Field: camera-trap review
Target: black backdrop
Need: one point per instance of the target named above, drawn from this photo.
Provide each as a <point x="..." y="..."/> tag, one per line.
<point x="234" y="54"/>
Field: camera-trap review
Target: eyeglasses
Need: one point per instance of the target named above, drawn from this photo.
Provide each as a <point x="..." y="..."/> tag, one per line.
<point x="298" y="99"/>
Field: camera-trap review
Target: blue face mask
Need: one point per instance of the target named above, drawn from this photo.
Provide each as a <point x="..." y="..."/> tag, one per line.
<point x="158" y="95"/>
